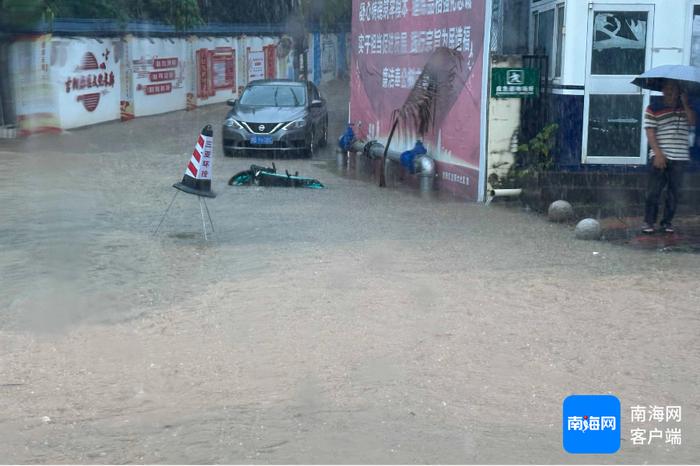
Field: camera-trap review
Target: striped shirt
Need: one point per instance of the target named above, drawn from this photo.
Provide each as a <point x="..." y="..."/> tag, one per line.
<point x="671" y="125"/>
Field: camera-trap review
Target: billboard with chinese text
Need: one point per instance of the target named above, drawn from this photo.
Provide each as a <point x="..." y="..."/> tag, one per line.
<point x="391" y="42"/>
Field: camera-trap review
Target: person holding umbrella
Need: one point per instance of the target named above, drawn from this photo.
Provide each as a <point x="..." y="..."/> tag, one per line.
<point x="667" y="123"/>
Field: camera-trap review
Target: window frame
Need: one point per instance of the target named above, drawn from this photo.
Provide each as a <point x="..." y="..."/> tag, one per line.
<point x="689" y="32"/>
<point x="557" y="7"/>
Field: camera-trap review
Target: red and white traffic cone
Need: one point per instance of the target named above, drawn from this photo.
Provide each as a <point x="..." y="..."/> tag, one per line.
<point x="197" y="179"/>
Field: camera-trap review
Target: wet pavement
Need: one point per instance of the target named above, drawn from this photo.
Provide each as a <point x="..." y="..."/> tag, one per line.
<point x="686" y="238"/>
<point x="351" y="324"/>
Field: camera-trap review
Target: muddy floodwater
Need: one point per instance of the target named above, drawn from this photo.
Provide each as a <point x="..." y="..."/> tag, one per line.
<point x="347" y="325"/>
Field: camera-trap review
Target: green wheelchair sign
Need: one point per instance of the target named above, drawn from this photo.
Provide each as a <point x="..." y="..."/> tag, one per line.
<point x="515" y="82"/>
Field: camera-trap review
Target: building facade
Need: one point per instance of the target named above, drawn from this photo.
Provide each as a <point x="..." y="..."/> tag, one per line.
<point x="594" y="50"/>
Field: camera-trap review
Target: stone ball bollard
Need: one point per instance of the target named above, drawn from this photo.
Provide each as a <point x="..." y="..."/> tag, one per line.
<point x="560" y="211"/>
<point x="588" y="229"/>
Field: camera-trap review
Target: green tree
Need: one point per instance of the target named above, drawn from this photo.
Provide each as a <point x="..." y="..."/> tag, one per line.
<point x="182" y="14"/>
<point x="247" y="11"/>
<point x="80" y="9"/>
<point x="22" y="12"/>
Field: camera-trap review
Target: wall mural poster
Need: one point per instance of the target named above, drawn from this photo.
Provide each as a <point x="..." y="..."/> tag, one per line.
<point x="33" y="90"/>
<point x="158" y="75"/>
<point x="391" y="43"/>
<point x="256" y="65"/>
<point x="126" y="104"/>
<point x="216" y="70"/>
<point x="90" y="79"/>
<point x="158" y="70"/>
<point x="88" y="76"/>
<point x="224" y="68"/>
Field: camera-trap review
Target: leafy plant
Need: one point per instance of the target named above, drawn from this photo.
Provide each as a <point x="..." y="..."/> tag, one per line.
<point x="536" y="155"/>
<point x="533" y="158"/>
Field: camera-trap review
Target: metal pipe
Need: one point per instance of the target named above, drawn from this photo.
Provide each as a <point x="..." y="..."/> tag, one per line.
<point x="503" y="193"/>
<point x="341" y="158"/>
<point x="425" y="165"/>
<point x="426" y="175"/>
<point x="506" y="192"/>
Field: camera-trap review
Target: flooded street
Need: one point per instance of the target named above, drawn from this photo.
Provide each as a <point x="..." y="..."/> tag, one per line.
<point x="347" y="325"/>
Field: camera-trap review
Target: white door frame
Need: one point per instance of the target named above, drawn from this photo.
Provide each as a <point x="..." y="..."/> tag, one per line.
<point x="615" y="84"/>
<point x="688" y="43"/>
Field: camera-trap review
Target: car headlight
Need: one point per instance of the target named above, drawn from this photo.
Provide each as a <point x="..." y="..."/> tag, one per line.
<point x="231" y="123"/>
<point x="297" y="124"/>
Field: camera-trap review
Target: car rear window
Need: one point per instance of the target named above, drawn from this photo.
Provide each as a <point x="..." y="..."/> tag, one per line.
<point x="274" y="96"/>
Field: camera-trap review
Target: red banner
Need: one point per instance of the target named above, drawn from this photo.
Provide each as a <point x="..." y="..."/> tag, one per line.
<point x="204" y="88"/>
<point x="157" y="76"/>
<point x="160" y="63"/>
<point x="392" y="41"/>
<point x="153" y="89"/>
<point x="270" y="61"/>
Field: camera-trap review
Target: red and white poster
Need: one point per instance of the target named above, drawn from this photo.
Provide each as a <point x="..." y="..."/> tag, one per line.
<point x="216" y="70"/>
<point x="391" y="43"/>
<point x="270" y="61"/>
<point x="256" y="65"/>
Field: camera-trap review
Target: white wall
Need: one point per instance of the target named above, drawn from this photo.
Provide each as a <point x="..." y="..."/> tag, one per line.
<point x="63" y="83"/>
<point x="504" y="120"/>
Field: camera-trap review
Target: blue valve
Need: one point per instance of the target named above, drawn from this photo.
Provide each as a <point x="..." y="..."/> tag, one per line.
<point x="408" y="158"/>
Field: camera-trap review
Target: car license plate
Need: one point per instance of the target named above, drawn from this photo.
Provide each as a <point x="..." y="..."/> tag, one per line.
<point x="261" y="140"/>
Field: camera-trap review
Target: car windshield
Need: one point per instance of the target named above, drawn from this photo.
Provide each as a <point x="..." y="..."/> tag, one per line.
<point x="274" y="96"/>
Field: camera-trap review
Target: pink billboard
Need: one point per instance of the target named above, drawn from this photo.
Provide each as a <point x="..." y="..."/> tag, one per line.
<point x="392" y="40"/>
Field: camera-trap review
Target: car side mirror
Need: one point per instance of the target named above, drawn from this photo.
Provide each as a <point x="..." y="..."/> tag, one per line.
<point x="231" y="102"/>
<point x="316" y="104"/>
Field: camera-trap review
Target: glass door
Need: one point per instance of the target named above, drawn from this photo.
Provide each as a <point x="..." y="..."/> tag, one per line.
<point x="619" y="49"/>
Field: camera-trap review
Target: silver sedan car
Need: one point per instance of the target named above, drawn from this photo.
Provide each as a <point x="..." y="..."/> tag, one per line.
<point x="281" y="117"/>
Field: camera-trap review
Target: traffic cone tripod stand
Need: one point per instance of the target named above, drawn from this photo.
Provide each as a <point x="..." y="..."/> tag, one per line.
<point x="197" y="178"/>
